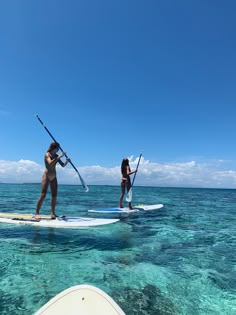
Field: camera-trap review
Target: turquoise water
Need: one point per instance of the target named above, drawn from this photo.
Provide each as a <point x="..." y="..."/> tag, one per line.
<point x="180" y="259"/>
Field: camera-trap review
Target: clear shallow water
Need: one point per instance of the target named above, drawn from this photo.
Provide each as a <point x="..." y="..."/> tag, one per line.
<point x="180" y="259"/>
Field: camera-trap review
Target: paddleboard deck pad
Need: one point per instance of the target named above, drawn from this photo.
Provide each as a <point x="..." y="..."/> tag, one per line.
<point x="59" y="222"/>
<point x="127" y="210"/>
<point x="83" y="300"/>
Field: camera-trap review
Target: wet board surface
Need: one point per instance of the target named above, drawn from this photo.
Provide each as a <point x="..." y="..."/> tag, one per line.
<point x="149" y="207"/>
<point x="127" y="210"/>
<point x="59" y="222"/>
<point x="113" y="210"/>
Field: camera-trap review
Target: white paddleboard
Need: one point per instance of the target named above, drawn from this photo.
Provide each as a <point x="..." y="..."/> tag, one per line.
<point x="81" y="300"/>
<point x="59" y="222"/>
<point x="127" y="210"/>
<point x="149" y="207"/>
<point x="113" y="210"/>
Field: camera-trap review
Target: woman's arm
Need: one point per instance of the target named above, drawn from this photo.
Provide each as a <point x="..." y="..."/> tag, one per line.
<point x="63" y="164"/>
<point x="52" y="162"/>
<point x="129" y="172"/>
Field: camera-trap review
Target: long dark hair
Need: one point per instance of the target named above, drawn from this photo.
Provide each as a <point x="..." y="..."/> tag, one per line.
<point x="124" y="164"/>
<point x="53" y="146"/>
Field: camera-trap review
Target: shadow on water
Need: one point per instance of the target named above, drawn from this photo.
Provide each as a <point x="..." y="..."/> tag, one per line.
<point x="34" y="241"/>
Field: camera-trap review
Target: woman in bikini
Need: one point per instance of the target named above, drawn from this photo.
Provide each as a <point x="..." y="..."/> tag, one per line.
<point x="125" y="180"/>
<point x="50" y="178"/>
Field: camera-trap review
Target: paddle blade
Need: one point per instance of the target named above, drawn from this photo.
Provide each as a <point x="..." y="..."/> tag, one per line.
<point x="129" y="195"/>
<point x="83" y="182"/>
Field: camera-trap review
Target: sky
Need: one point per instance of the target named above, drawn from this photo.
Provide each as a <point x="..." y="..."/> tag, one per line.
<point x="112" y="79"/>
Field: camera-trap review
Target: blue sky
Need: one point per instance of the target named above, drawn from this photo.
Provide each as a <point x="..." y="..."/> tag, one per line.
<point x="113" y="78"/>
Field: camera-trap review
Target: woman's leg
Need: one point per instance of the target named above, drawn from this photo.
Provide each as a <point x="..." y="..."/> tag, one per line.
<point x="122" y="185"/>
<point x="130" y="206"/>
<point x="128" y="188"/>
<point x="44" y="188"/>
<point x="53" y="185"/>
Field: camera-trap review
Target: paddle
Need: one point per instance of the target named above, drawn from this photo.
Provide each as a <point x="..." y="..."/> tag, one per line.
<point x="129" y="194"/>
<point x="81" y="179"/>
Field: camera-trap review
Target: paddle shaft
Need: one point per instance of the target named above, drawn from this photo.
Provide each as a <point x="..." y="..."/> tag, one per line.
<point x="129" y="194"/>
<point x="81" y="179"/>
<point x="136" y="169"/>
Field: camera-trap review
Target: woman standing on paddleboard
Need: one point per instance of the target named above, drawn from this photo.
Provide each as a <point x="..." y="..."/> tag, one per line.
<point x="49" y="177"/>
<point x="125" y="180"/>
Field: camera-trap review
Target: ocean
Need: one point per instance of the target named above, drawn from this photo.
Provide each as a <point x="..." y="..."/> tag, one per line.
<point x="180" y="259"/>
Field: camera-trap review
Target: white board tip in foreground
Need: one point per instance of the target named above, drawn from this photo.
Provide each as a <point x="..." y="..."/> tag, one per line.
<point x="81" y="299"/>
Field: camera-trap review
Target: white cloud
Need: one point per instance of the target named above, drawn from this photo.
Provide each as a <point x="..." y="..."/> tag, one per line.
<point x="186" y="174"/>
